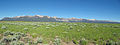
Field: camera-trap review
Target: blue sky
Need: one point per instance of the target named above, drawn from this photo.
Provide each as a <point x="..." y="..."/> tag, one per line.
<point x="88" y="9"/>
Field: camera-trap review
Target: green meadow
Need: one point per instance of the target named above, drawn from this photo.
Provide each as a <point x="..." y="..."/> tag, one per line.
<point x="48" y="32"/>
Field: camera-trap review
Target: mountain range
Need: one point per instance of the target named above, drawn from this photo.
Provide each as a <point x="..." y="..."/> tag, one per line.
<point x="40" y="18"/>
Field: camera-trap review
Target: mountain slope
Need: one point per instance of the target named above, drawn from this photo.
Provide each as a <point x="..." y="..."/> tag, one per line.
<point x="39" y="18"/>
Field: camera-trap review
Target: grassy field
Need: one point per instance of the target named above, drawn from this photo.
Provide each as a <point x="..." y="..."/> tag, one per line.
<point x="78" y="33"/>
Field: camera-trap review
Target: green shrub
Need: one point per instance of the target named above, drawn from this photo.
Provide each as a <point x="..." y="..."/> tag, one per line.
<point x="39" y="40"/>
<point x="57" y="41"/>
<point x="3" y="27"/>
<point x="75" y="41"/>
<point x="6" y="33"/>
<point x="17" y="43"/>
<point x="26" y="29"/>
<point x="83" y="42"/>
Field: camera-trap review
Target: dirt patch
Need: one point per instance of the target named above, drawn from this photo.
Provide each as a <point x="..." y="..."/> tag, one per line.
<point x="71" y="43"/>
<point x="91" y="44"/>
